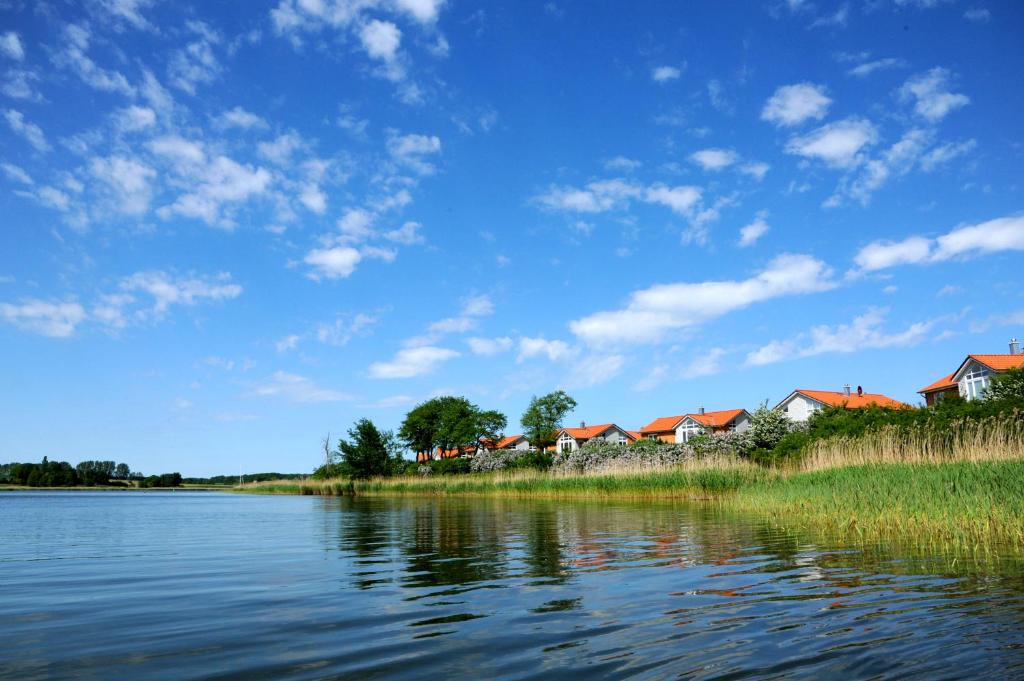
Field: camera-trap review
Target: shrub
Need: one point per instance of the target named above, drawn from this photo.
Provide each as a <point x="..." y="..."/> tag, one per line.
<point x="455" y="466"/>
<point x="596" y="457"/>
<point x="767" y="427"/>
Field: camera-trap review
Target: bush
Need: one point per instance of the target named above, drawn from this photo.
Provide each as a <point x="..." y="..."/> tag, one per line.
<point x="596" y="457"/>
<point x="455" y="466"/>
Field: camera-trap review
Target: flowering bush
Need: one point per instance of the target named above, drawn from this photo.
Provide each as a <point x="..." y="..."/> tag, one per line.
<point x="595" y="457"/>
<point x="489" y="460"/>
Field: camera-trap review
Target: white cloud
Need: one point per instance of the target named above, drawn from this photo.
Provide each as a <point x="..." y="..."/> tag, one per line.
<point x="706" y="363"/>
<point x="993" y="236"/>
<point x="794" y="104"/>
<point x="57" y="320"/>
<point x="32" y="133"/>
<point x="178" y="150"/>
<point x="679" y="199"/>
<point x="489" y="346"/>
<point x="128" y="181"/>
<point x="296" y="388"/>
<point x="411" y="362"/>
<point x="407" y="235"/>
<point x="332" y="263"/>
<point x="240" y="118"/>
<point x="128" y="11"/>
<point x="754" y="231"/>
<point x="54" y="198"/>
<point x="381" y="39"/>
<point x="196" y="63"/>
<point x="977" y="14"/>
<point x="281" y="149"/>
<point x="837" y="144"/>
<point x="756" y="169"/>
<point x="412" y="150"/>
<point x="18" y="84"/>
<point x="134" y="118"/>
<point x="167" y="290"/>
<point x="663" y="74"/>
<point x="288" y="343"/>
<point x="931" y="95"/>
<point x="73" y="56"/>
<point x="898" y="160"/>
<point x="863" y="333"/>
<point x="714" y="159"/>
<point x="867" y="68"/>
<point x="622" y="164"/>
<point x="16" y="173"/>
<point x="220" y="182"/>
<point x="423" y="11"/>
<point x="595" y="197"/>
<point x="356" y="225"/>
<point x="837" y="18"/>
<point x="10" y="46"/>
<point x="941" y="155"/>
<point x="478" y="306"/>
<point x="343" y="329"/>
<point x="554" y="350"/>
<point x="654" y="312"/>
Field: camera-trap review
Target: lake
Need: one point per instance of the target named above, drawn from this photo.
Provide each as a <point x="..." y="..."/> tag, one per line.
<point x="218" y="586"/>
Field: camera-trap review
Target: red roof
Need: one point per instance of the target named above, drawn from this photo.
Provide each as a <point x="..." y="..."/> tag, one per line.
<point x="1000" y="362"/>
<point x="944" y="383"/>
<point x="852" y="401"/>
<point x="635" y="434"/>
<point x="712" y="419"/>
<point x="589" y="431"/>
<point x="716" y="419"/>
<point x="663" y="424"/>
<point x="507" y="441"/>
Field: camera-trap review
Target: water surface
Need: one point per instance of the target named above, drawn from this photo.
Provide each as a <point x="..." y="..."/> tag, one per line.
<point x="199" y="585"/>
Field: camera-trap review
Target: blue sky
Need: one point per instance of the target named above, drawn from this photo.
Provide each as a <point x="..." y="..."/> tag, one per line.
<point x="229" y="228"/>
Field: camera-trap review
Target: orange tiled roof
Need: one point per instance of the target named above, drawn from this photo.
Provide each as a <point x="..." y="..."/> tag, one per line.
<point x="507" y="441"/>
<point x="662" y="424"/>
<point x="587" y="432"/>
<point x="1000" y="362"/>
<point x="853" y="401"/>
<point x="944" y="383"/>
<point x="635" y="434"/>
<point x="716" y="418"/>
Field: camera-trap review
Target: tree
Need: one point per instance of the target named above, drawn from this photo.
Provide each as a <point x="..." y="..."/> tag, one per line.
<point x="368" y="452"/>
<point x="544" y="416"/>
<point x="1007" y="385"/>
<point x="449" y="422"/>
<point x="768" y="426"/>
<point x="122" y="472"/>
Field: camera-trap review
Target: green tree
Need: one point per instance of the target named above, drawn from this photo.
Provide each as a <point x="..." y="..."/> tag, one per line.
<point x="768" y="426"/>
<point x="544" y="415"/>
<point x="368" y="452"/>
<point x="122" y="471"/>
<point x="449" y="422"/>
<point x="1007" y="385"/>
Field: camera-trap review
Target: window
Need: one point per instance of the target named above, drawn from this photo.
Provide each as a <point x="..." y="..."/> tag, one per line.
<point x="690" y="429"/>
<point x="975" y="382"/>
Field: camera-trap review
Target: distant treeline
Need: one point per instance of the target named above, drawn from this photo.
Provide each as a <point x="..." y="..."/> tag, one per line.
<point x="85" y="474"/>
<point x="248" y="477"/>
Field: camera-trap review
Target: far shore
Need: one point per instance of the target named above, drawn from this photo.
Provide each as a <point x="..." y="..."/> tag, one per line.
<point x="118" y="488"/>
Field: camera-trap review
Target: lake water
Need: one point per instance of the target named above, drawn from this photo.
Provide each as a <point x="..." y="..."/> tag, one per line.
<point x="217" y="586"/>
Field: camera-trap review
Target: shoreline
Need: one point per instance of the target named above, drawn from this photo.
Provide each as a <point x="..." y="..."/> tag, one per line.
<point x="118" y="488"/>
<point x="974" y="504"/>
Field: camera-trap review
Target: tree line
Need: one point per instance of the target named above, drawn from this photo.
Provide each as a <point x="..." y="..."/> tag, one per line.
<point x="85" y="474"/>
<point x="443" y="423"/>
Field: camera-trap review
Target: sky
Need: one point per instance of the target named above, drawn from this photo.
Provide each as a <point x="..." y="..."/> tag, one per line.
<point x="228" y="230"/>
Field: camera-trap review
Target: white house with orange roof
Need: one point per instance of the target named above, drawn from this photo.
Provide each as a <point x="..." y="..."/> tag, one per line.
<point x="801" y="404"/>
<point x="972" y="378"/>
<point x="517" y="442"/>
<point x="681" y="428"/>
<point x="571" y="439"/>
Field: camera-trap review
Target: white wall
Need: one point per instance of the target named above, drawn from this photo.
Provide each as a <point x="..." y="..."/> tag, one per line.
<point x="799" y="408"/>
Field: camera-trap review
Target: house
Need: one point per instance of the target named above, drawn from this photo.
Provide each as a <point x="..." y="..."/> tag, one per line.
<point x="681" y="428"/>
<point x="972" y="377"/>
<point x="518" y="442"/>
<point x="800" y="405"/>
<point x="571" y="439"/>
<point x="452" y="453"/>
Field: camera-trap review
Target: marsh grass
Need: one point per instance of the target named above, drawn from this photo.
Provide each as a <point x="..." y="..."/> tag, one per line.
<point x="961" y="486"/>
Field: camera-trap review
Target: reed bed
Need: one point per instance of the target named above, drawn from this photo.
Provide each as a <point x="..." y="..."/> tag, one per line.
<point x="960" y="486"/>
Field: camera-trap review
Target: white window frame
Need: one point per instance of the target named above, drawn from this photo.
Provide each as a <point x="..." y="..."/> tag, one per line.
<point x="975" y="382"/>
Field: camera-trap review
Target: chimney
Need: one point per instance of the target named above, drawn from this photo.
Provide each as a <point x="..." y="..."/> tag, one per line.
<point x="846" y="390"/>
<point x="583" y="424"/>
<point x="701" y="411"/>
<point x="1014" y="347"/>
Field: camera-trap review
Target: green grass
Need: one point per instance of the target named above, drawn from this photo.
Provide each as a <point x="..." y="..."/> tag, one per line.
<point x="966" y="503"/>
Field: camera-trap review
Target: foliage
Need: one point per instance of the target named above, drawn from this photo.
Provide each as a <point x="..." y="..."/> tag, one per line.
<point x="332" y="469"/>
<point x="789" y="448"/>
<point x="164" y="480"/>
<point x="369" y="452"/>
<point x="245" y="478"/>
<point x="490" y="460"/>
<point x="61" y="474"/>
<point x="449" y="422"/>
<point x="767" y="427"/>
<point x="456" y="466"/>
<point x="543" y="417"/>
<point x="601" y="456"/>
<point x="1008" y="385"/>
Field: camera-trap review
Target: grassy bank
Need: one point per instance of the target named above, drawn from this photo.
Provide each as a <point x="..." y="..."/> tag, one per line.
<point x="964" y="486"/>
